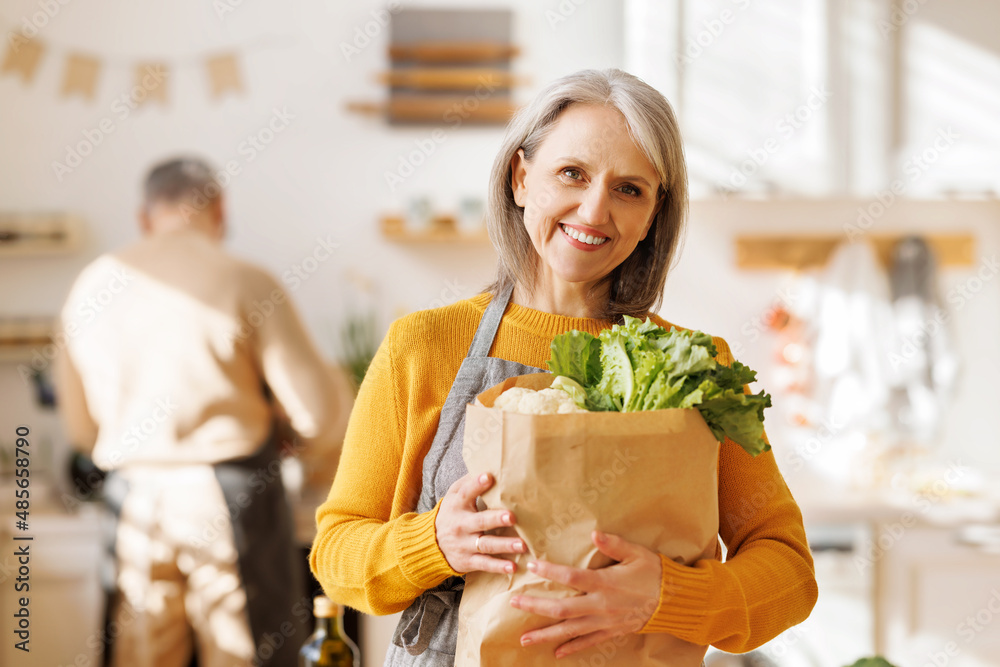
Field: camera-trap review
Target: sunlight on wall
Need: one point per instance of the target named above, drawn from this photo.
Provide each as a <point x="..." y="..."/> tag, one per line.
<point x="754" y="105"/>
<point x="949" y="82"/>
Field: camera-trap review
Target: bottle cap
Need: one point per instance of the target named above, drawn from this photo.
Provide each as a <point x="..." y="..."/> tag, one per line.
<point x="324" y="607"/>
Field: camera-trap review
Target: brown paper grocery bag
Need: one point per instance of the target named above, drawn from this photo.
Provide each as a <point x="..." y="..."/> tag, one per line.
<point x="650" y="477"/>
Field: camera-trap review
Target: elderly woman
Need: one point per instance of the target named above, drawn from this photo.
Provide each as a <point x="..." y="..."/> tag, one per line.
<point x="588" y="197"/>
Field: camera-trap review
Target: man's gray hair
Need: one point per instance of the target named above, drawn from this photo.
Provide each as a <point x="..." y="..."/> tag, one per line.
<point x="182" y="181"/>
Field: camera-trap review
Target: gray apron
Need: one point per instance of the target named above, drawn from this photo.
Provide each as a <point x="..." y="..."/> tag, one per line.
<point x="272" y="570"/>
<point x="428" y="630"/>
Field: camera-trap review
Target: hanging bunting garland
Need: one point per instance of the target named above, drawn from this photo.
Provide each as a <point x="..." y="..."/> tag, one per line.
<point x="81" y="75"/>
<point x="223" y="74"/>
<point x="82" y="71"/>
<point x="23" y="56"/>
<point x="150" y="83"/>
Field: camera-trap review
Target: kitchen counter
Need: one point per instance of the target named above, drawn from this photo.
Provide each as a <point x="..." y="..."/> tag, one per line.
<point x="64" y="593"/>
<point x="969" y="498"/>
<point x="930" y="548"/>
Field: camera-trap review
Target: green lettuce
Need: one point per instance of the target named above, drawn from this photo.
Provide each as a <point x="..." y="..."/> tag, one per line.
<point x="639" y="365"/>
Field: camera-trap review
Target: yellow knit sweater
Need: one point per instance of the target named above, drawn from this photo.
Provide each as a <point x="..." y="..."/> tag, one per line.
<point x="374" y="553"/>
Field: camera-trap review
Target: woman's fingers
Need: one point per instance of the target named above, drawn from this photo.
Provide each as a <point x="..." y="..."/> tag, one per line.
<point x="613" y="546"/>
<point x="584" y="642"/>
<point x="579" y="579"/>
<point x="559" y="608"/>
<point x="562" y="632"/>
<point x="460" y="529"/>
<point x="484" y="563"/>
<point x="617" y="600"/>
<point x="480" y="522"/>
<point x="491" y="544"/>
<point x="470" y="487"/>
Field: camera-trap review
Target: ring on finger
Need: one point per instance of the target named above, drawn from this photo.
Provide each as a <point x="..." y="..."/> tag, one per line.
<point x="478" y="537"/>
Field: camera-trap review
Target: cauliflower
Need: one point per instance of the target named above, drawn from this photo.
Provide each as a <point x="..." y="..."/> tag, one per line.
<point x="530" y="402"/>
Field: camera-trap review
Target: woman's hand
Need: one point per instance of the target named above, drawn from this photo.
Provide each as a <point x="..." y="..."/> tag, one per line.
<point x="617" y="600"/>
<point x="459" y="527"/>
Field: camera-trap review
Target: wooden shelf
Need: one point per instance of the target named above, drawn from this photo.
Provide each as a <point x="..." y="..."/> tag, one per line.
<point x="786" y="251"/>
<point x="443" y="229"/>
<point x="17" y="354"/>
<point x="451" y="78"/>
<point x="452" y="52"/>
<point x="38" y="234"/>
<point x="438" y="109"/>
<point x="21" y="337"/>
<point x="430" y="236"/>
<point x="448" y="66"/>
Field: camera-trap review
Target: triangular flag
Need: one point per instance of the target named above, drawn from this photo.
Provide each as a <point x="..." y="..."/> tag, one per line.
<point x="223" y="74"/>
<point x="150" y="83"/>
<point x="81" y="75"/>
<point x="23" y="55"/>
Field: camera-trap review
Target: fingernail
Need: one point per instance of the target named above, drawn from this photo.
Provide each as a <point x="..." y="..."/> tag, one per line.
<point x="525" y="641"/>
<point x="532" y="566"/>
<point x="514" y="601"/>
<point x="560" y="655"/>
<point x="506" y="518"/>
<point x="484" y="478"/>
<point x="522" y="547"/>
<point x="509" y="568"/>
<point x="600" y="537"/>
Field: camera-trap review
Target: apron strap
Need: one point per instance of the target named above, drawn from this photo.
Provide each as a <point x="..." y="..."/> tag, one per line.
<point x="490" y="322"/>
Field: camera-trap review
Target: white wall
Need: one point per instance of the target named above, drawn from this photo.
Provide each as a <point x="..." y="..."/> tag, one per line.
<point x="951" y="79"/>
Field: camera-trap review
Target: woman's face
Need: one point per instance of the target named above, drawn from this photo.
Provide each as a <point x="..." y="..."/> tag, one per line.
<point x="589" y="195"/>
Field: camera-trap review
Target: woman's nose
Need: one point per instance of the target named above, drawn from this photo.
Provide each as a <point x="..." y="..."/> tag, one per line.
<point x="595" y="208"/>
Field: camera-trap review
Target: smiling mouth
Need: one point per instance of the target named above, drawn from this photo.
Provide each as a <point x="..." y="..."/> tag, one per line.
<point x="581" y="237"/>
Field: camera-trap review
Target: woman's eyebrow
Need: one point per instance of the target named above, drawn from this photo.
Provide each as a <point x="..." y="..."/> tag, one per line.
<point x="583" y="163"/>
<point x="576" y="160"/>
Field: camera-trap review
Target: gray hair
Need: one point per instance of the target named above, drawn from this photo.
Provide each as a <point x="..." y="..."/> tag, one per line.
<point x="636" y="286"/>
<point x="182" y="181"/>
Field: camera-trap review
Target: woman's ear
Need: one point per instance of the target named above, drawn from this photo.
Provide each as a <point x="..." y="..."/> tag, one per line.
<point x="518" y="172"/>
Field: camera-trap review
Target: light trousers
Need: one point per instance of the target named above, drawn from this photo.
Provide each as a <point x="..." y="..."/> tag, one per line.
<point x="178" y="574"/>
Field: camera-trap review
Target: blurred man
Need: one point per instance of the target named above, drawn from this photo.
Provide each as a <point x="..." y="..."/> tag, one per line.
<point x="174" y="349"/>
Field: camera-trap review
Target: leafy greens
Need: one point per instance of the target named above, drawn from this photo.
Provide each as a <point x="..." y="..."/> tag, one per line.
<point x="641" y="366"/>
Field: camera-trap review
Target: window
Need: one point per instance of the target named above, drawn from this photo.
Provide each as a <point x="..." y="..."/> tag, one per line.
<point x="826" y="97"/>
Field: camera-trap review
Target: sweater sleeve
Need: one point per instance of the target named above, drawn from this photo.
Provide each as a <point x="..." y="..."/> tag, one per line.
<point x="767" y="583"/>
<point x="363" y="556"/>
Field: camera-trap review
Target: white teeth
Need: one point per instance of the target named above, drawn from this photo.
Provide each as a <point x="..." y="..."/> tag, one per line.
<point x="582" y="238"/>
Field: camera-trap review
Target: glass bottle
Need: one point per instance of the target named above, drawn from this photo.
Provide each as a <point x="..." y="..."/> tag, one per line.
<point x="329" y="646"/>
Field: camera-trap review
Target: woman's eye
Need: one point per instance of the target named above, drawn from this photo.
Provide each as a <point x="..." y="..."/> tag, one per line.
<point x="572" y="173"/>
<point x="631" y="190"/>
